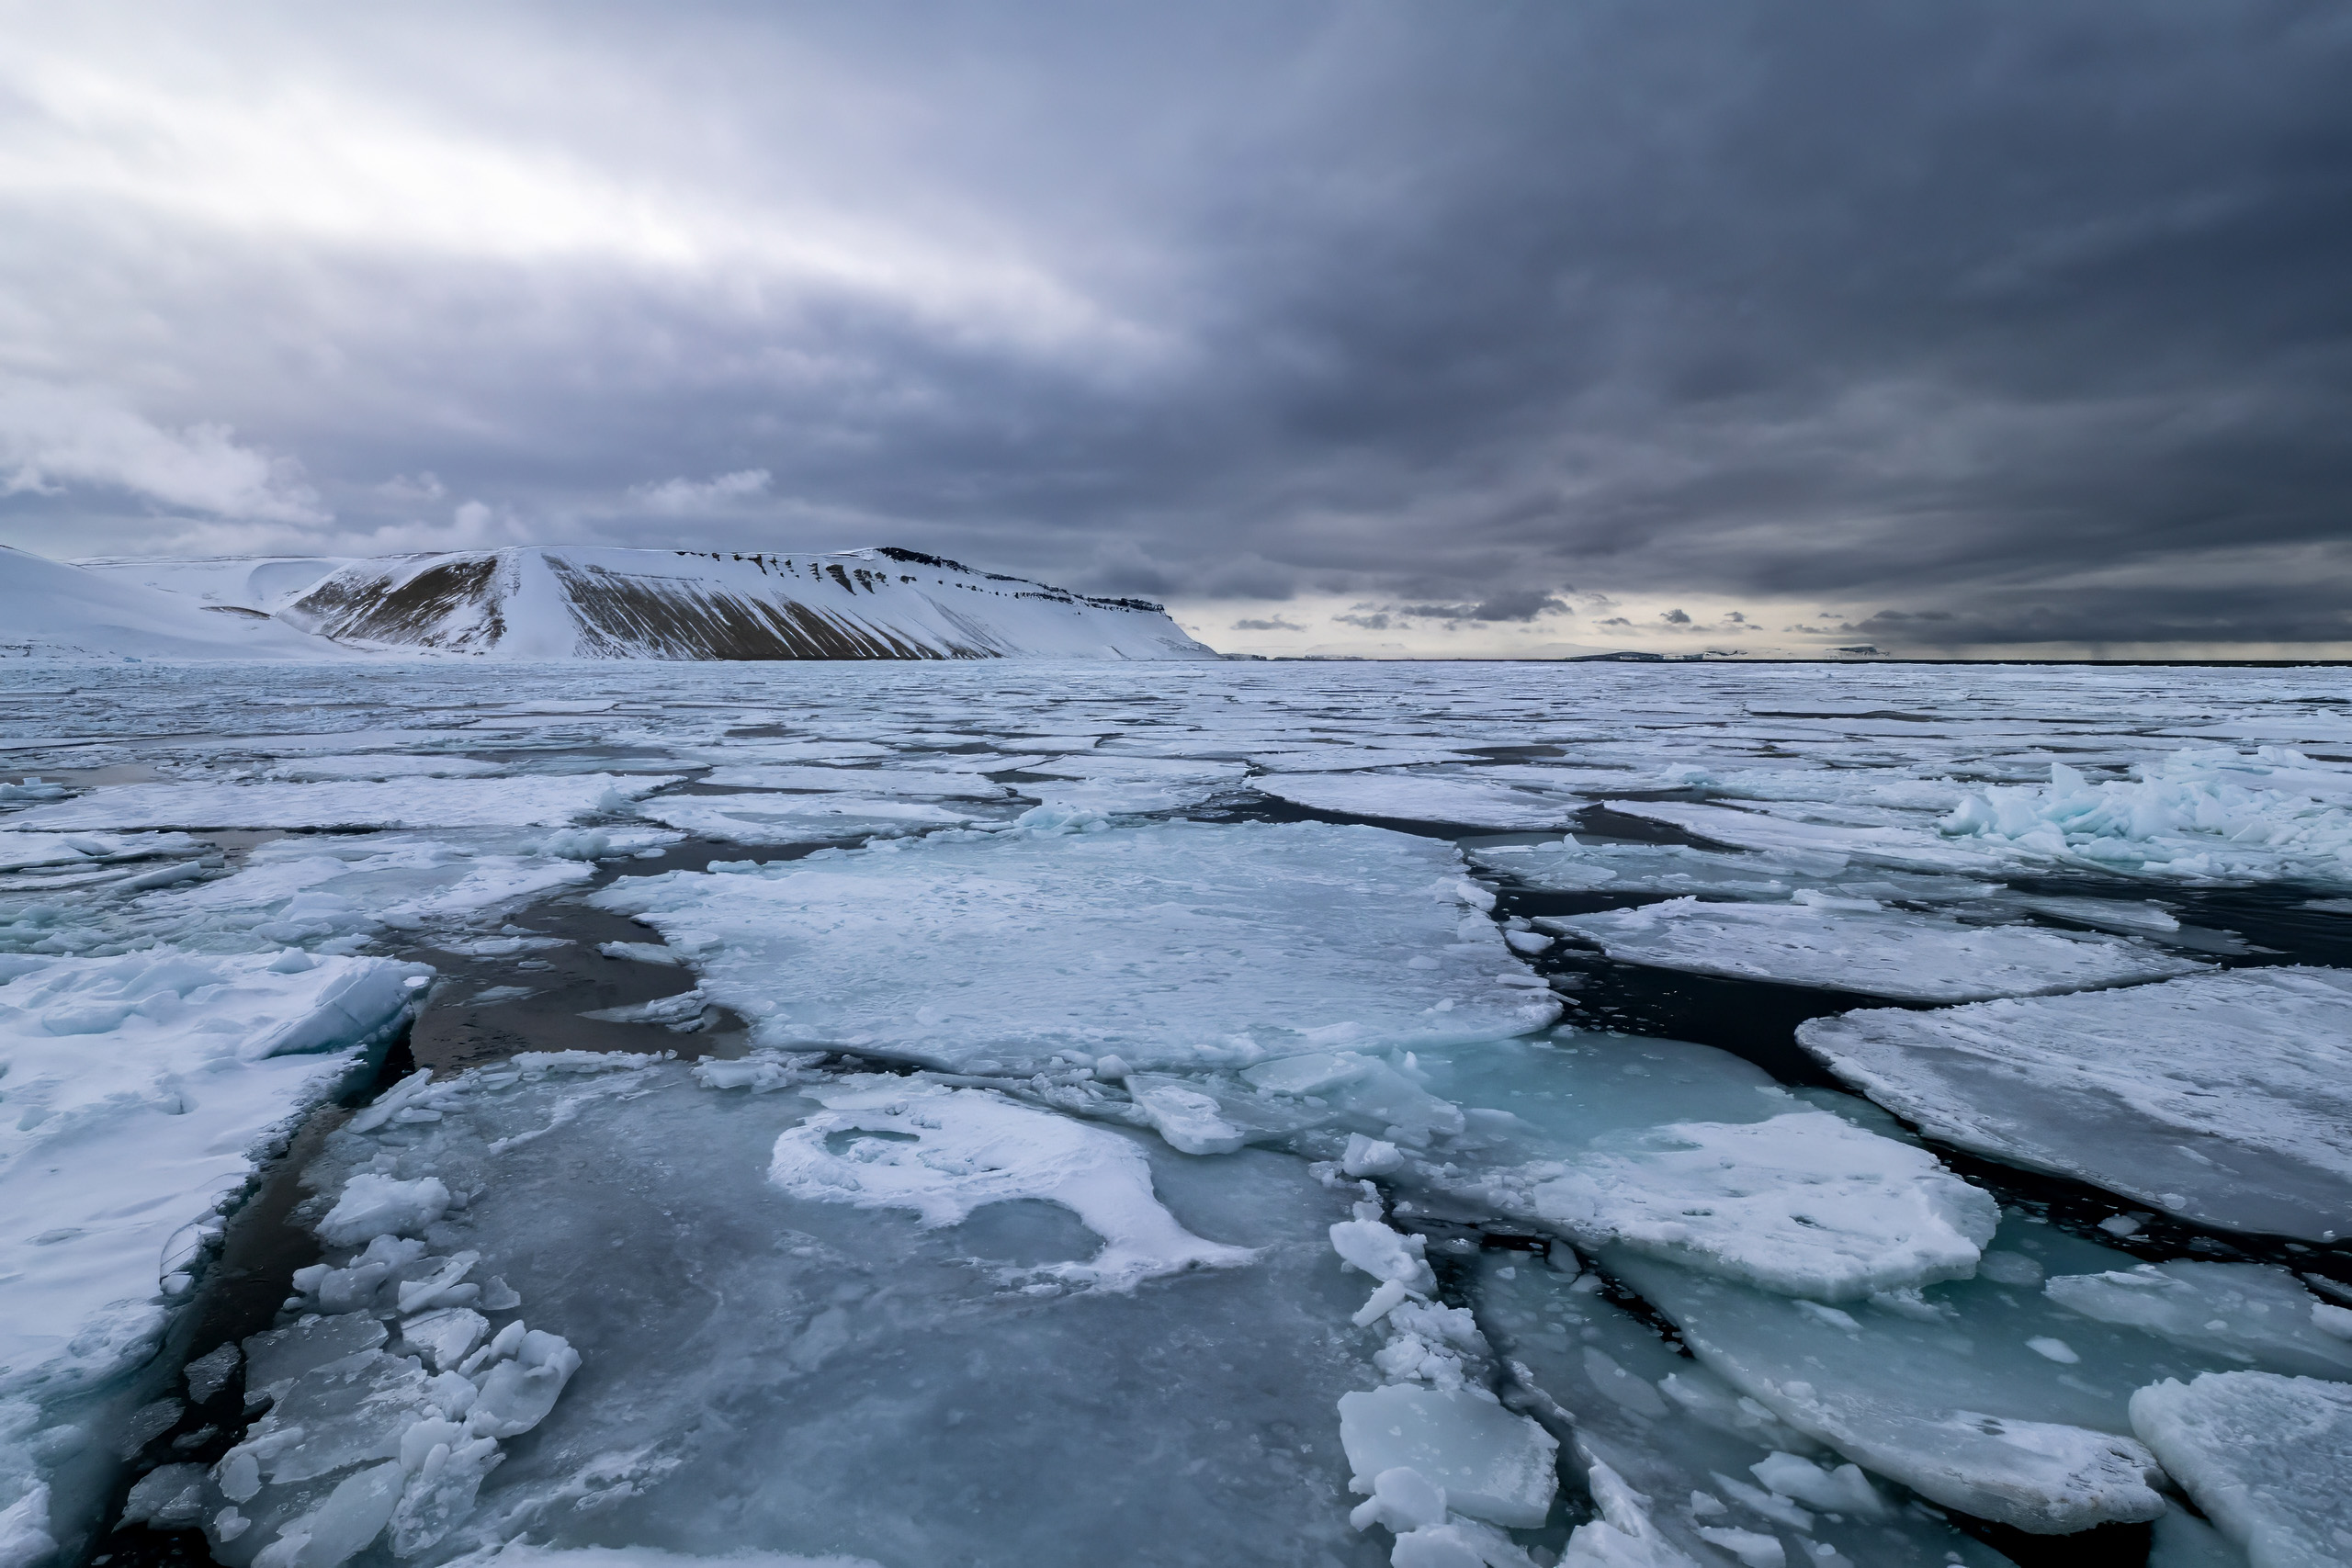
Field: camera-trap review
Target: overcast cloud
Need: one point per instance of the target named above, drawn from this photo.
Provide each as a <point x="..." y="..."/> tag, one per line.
<point x="1479" y="327"/>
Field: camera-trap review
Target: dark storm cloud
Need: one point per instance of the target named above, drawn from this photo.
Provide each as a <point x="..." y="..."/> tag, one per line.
<point x="1994" y="323"/>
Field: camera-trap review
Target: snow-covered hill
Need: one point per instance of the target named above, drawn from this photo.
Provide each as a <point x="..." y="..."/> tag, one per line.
<point x="546" y="602"/>
<point x="50" y="610"/>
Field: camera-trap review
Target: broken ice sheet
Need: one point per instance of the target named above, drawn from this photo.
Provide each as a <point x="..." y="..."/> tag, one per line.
<point x="1855" y="945"/>
<point x="1982" y="1395"/>
<point x="2245" y="1312"/>
<point x="2264" y="1457"/>
<point x="1900" y="846"/>
<point x="888" y="783"/>
<point x="802" y="819"/>
<point x="2220" y="1098"/>
<point x="1420" y="797"/>
<point x="768" y="1369"/>
<point x="406" y="803"/>
<point x="1174" y="944"/>
<point x="1677" y="1433"/>
<point x="1567" y="865"/>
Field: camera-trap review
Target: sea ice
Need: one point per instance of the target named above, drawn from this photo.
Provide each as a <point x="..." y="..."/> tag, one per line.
<point x="2248" y="1311"/>
<point x="1175" y="944"/>
<point x="800" y="818"/>
<point x="21" y="851"/>
<point x="1806" y="1203"/>
<point x="1567" y="865"/>
<point x="888" y="782"/>
<point x="1415" y="798"/>
<point x="2264" y="1456"/>
<point x="2195" y="815"/>
<point x="2220" y="1098"/>
<point x="406" y="803"/>
<point x="941" y="1152"/>
<point x="1856" y="945"/>
<point x="1824" y="847"/>
<point x="1940" y="1389"/>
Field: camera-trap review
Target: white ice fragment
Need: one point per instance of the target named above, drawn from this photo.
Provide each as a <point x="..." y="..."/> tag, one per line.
<point x="352" y="1516"/>
<point x="1624" y="1536"/>
<point x="2051" y="1347"/>
<point x="373" y="1205"/>
<point x="518" y="1393"/>
<point x="1402" y="1499"/>
<point x="1845" y="1490"/>
<point x="1422" y="797"/>
<point x="1881" y="953"/>
<point x="1370" y="1156"/>
<point x="407" y="802"/>
<point x="2264" y="1457"/>
<point x="208" y="1374"/>
<point x="2006" y="1268"/>
<point x="2220" y="1098"/>
<point x="1754" y="1549"/>
<point x="445" y="1337"/>
<point x="1494" y="1465"/>
<point x="943" y="1153"/>
<point x="1384" y="1254"/>
<point x="1805" y="1203"/>
<point x="1188" y="1119"/>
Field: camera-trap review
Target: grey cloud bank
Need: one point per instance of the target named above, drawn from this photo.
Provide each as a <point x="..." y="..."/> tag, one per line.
<point x="1974" y="329"/>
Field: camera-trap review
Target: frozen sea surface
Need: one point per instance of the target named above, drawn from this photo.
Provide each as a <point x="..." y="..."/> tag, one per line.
<point x="1028" y="1113"/>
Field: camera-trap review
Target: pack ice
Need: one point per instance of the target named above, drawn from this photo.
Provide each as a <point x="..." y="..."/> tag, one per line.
<point x="2263" y="1455"/>
<point x="2220" y="1098"/>
<point x="1855" y="944"/>
<point x="143" y="1092"/>
<point x="1173" y="945"/>
<point x="405" y="803"/>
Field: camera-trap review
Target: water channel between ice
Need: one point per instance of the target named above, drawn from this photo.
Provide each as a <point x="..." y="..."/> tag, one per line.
<point x="959" y="1113"/>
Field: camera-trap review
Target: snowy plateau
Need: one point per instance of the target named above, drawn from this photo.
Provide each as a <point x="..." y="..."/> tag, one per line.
<point x="553" y="1060"/>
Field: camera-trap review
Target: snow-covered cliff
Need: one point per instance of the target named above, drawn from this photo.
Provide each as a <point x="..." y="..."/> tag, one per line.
<point x="543" y="603"/>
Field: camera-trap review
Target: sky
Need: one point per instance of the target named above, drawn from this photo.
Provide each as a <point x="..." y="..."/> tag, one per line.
<point x="1457" y="327"/>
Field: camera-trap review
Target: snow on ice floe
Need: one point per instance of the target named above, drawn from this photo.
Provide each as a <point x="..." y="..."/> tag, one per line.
<point x="941" y="1152"/>
<point x="1569" y="865"/>
<point x="1172" y="945"/>
<point x="2219" y="1098"/>
<point x="2247" y="1311"/>
<point x="142" y="1091"/>
<point x="1856" y="945"/>
<point x="2195" y="815"/>
<point x="24" y="851"/>
<point x="383" y="765"/>
<point x="1407" y="797"/>
<point x="407" y="802"/>
<point x="1806" y="1203"/>
<point x="774" y="1371"/>
<point x="801" y="818"/>
<point x="2264" y="1456"/>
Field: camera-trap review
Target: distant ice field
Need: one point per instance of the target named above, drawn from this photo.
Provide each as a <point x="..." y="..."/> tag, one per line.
<point x="1440" y="1116"/>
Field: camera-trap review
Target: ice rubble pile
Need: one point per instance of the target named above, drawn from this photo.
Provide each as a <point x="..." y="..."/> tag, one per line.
<point x="397" y="1375"/>
<point x="141" y="1092"/>
<point x="2203" y="814"/>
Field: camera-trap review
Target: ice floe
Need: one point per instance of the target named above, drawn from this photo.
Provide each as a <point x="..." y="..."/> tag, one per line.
<point x="2220" y="1098"/>
<point x="2263" y="1455"/>
<point x="406" y="803"/>
<point x="800" y="818"/>
<point x="1176" y="944"/>
<point x="1567" y="865"/>
<point x="1856" y="945"/>
<point x="2247" y="1311"/>
<point x="1823" y="847"/>
<point x="1473" y="803"/>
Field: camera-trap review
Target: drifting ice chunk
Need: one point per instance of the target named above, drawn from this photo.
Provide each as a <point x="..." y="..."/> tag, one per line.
<point x="1569" y="866"/>
<point x="800" y="818"/>
<point x="1826" y="847"/>
<point x="1970" y="1417"/>
<point x="142" y="1090"/>
<point x="20" y="851"/>
<point x="1412" y="797"/>
<point x="2246" y="1311"/>
<point x="408" y="803"/>
<point x="2219" y="1098"/>
<point x="520" y="1554"/>
<point x="2131" y="917"/>
<point x="2264" y="1456"/>
<point x="883" y="782"/>
<point x="374" y="1205"/>
<point x="1188" y="1119"/>
<point x="1879" y="951"/>
<point x="1172" y="945"/>
<point x="1805" y="1203"/>
<point x="943" y="1153"/>
<point x="1493" y="1465"/>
